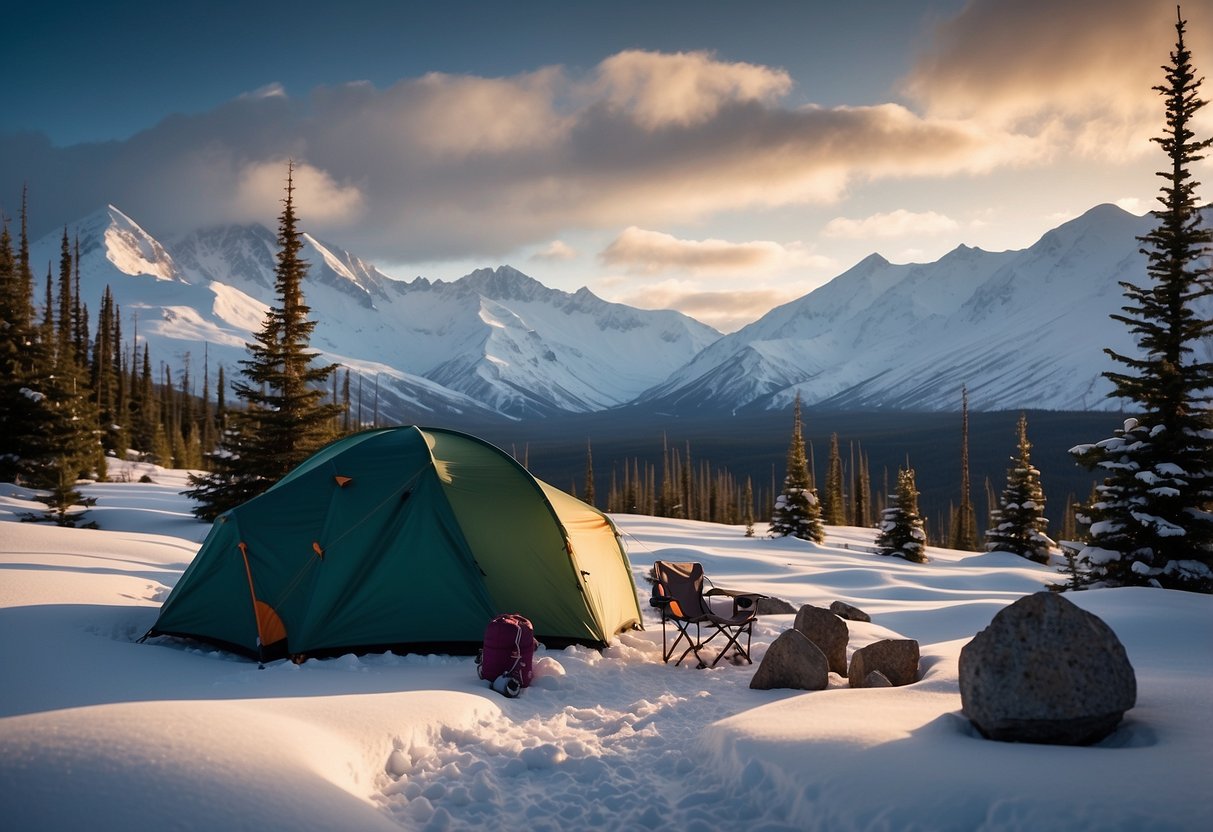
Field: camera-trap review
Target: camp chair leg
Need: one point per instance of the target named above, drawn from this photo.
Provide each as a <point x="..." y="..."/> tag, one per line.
<point x="732" y="643"/>
<point x="683" y="633"/>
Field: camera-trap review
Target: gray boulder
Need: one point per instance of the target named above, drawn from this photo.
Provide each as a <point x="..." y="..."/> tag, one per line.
<point x="774" y="606"/>
<point x="845" y="610"/>
<point x="1046" y="671"/>
<point x="895" y="659"/>
<point x="828" y="632"/>
<point x="792" y="661"/>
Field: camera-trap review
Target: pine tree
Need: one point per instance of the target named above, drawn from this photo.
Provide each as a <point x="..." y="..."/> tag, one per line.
<point x="863" y="492"/>
<point x="833" y="502"/>
<point x="964" y="527"/>
<point x="346" y="424"/>
<point x="13" y="412"/>
<point x="1020" y="525"/>
<point x="797" y="511"/>
<point x="286" y="418"/>
<point x="147" y="419"/>
<point x="1153" y="520"/>
<point x="901" y="530"/>
<point x="747" y="508"/>
<point x="59" y="417"/>
<point x="588" y="496"/>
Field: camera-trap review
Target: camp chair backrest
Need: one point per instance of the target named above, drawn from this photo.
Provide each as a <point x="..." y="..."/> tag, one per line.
<point x="682" y="582"/>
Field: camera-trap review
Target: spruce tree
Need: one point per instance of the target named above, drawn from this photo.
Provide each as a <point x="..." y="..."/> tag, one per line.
<point x="285" y="418"/>
<point x="588" y="496"/>
<point x="1019" y="524"/>
<point x="964" y="525"/>
<point x="747" y="508"/>
<point x="797" y="511"/>
<point x="10" y="357"/>
<point x="863" y="492"/>
<point x="58" y="418"/>
<point x="901" y="528"/>
<point x="833" y="503"/>
<point x="1152" y="522"/>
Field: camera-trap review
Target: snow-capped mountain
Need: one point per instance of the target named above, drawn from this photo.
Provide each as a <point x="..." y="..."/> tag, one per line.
<point x="1020" y="329"/>
<point x="494" y="342"/>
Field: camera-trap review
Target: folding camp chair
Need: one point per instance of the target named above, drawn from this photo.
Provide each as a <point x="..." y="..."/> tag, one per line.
<point x="678" y="593"/>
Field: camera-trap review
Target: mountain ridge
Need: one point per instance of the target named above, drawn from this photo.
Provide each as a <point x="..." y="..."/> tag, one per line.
<point x="1017" y="329"/>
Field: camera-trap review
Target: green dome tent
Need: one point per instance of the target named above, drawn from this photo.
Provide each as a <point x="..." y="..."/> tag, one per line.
<point x="408" y="538"/>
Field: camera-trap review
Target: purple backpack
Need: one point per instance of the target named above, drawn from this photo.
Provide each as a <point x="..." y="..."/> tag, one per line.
<point x="508" y="652"/>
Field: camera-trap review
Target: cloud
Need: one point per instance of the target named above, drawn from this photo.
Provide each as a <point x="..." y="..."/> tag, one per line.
<point x="1134" y="205"/>
<point x="682" y="89"/>
<point x="640" y="251"/>
<point x="556" y="251"/>
<point x="273" y="90"/>
<point x="259" y="192"/>
<point x="1076" y="75"/>
<point x="727" y="310"/>
<point x="899" y="223"/>
<point x="452" y="166"/>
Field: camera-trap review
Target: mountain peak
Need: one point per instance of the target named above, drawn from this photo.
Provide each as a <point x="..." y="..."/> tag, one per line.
<point x="504" y="283"/>
<point x="123" y="242"/>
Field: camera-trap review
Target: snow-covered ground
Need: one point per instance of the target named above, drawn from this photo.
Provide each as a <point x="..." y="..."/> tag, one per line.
<point x="98" y="732"/>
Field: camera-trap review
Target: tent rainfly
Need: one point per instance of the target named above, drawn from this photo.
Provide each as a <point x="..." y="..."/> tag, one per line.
<point x="403" y="538"/>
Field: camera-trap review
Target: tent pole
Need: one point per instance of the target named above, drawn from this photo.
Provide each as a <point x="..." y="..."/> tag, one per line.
<point x="253" y="593"/>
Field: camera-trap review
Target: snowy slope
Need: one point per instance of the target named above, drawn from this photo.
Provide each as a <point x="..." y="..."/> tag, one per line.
<point x="1022" y="329"/>
<point x="100" y="733"/>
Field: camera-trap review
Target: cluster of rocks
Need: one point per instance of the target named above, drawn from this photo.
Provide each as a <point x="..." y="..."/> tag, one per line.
<point x="1043" y="671"/>
<point x="804" y="657"/>
<point x="1046" y="671"/>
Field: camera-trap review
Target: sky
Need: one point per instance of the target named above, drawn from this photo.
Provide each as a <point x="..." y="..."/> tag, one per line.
<point x="100" y="733"/>
<point x="714" y="157"/>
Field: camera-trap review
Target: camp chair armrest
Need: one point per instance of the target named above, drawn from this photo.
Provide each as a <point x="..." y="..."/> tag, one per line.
<point x="660" y="601"/>
<point x="742" y="601"/>
<point x="735" y="593"/>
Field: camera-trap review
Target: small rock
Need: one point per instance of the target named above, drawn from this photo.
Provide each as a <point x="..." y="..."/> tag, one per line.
<point x="845" y="610"/>
<point x="828" y="632"/>
<point x="792" y="661"/>
<point x="895" y="659"/>
<point x="876" y="679"/>
<point x="774" y="606"/>
<point x="1046" y="671"/>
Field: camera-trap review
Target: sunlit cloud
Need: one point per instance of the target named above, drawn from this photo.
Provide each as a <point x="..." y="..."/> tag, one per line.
<point x="641" y="251"/>
<point x="1134" y="205"/>
<point x="726" y="310"/>
<point x="899" y="223"/>
<point x="682" y="89"/>
<point x="556" y="251"/>
<point x="259" y="193"/>
<point x="273" y="90"/>
<point x="1076" y="75"/>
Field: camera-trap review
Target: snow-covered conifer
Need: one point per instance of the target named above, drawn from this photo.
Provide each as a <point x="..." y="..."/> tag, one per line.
<point x="1018" y="524"/>
<point x="902" y="532"/>
<point x="797" y="510"/>
<point x="1153" y="520"/>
